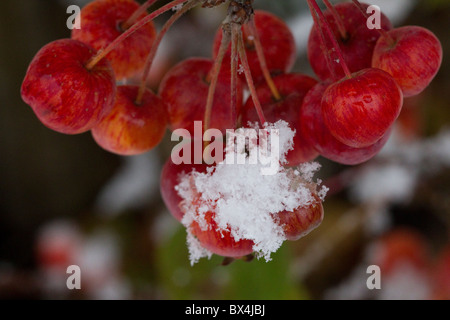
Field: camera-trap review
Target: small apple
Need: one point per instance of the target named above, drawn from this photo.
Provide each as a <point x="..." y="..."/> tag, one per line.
<point x="359" y="110"/>
<point x="63" y="93"/>
<point x="412" y="55"/>
<point x="131" y="129"/>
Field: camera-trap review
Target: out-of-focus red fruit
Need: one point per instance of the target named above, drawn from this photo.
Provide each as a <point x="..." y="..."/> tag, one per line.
<point x="399" y="247"/>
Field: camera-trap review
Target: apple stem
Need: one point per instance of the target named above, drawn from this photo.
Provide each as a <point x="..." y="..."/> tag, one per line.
<point x="139" y="24"/>
<point x="323" y="46"/>
<point x="155" y="46"/>
<point x="214" y="75"/>
<point x="337" y="19"/>
<point x="234" y="77"/>
<point x="262" y="60"/>
<point x="135" y="16"/>
<point x="383" y="32"/>
<point x="314" y="7"/>
<point x="248" y="77"/>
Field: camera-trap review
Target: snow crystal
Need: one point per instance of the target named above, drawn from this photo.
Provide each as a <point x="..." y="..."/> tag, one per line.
<point x="240" y="70"/>
<point x="244" y="199"/>
<point x="177" y="7"/>
<point x="196" y="251"/>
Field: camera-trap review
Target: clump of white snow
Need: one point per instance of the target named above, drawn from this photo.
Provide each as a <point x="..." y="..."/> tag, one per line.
<point x="244" y="199"/>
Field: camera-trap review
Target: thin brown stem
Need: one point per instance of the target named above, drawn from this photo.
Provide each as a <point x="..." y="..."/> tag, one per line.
<point x="214" y="76"/>
<point x="337" y="18"/>
<point x="248" y="77"/>
<point x="234" y="76"/>
<point x="151" y="56"/>
<point x="323" y="46"/>
<point x="262" y="59"/>
<point x="383" y="32"/>
<point x="139" y="12"/>
<point x="314" y="7"/>
<point x="139" y="24"/>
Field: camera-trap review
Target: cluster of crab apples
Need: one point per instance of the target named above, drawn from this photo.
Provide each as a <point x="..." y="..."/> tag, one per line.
<point x="344" y="113"/>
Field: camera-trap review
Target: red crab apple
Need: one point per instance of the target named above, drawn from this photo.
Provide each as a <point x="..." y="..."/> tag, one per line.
<point x="302" y="220"/>
<point x="185" y="88"/>
<point x="130" y="128"/>
<point x="63" y="93"/>
<point x="276" y="39"/>
<point x="103" y="21"/>
<point x="220" y="242"/>
<point x="295" y="223"/>
<point x="317" y="134"/>
<point x="359" y="110"/>
<point x="170" y="177"/>
<point x="411" y="54"/>
<point x="357" y="44"/>
<point x="292" y="87"/>
<point x="174" y="170"/>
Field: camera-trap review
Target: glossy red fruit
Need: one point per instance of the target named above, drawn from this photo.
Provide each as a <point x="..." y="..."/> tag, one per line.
<point x="357" y="45"/>
<point x="412" y="55"/>
<point x="102" y="22"/>
<point x="359" y="110"/>
<point x="63" y="93"/>
<point x="171" y="176"/>
<point x="173" y="172"/>
<point x="317" y="134"/>
<point x="301" y="221"/>
<point x="276" y="39"/>
<point x="292" y="87"/>
<point x="218" y="241"/>
<point x="184" y="89"/>
<point x="131" y="129"/>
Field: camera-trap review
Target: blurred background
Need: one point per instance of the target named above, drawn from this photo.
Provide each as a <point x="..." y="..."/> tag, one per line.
<point x="64" y="201"/>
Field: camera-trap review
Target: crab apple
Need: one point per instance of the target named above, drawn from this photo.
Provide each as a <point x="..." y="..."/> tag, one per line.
<point x="171" y="175"/>
<point x="185" y="88"/>
<point x="103" y="21"/>
<point x="179" y="165"/>
<point x="277" y="42"/>
<point x="317" y="134"/>
<point x="302" y="220"/>
<point x="130" y="128"/>
<point x="292" y="87"/>
<point x="411" y="54"/>
<point x="63" y="93"/>
<point x="357" y="44"/>
<point x="216" y="240"/>
<point x="359" y="110"/>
